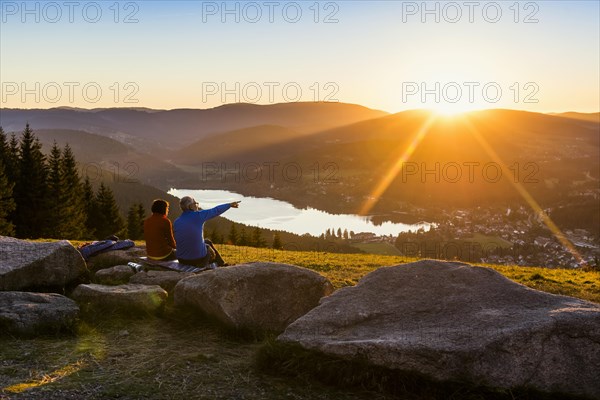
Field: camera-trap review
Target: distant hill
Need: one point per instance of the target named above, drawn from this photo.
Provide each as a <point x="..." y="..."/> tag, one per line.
<point x="156" y="130"/>
<point x="116" y="160"/>
<point x="591" y="117"/>
<point x="551" y="156"/>
<point x="232" y="144"/>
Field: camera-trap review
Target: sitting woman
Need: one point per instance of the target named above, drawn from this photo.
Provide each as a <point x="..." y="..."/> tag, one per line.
<point x="158" y="232"/>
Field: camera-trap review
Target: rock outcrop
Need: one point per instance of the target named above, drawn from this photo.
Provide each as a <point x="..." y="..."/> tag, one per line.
<point x="455" y="322"/>
<point x="258" y="297"/>
<point x="126" y="299"/>
<point x="31" y="314"/>
<point x="32" y="265"/>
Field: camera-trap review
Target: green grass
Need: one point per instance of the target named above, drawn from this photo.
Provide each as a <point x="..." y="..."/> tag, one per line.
<point x="347" y="269"/>
<point x="485" y="240"/>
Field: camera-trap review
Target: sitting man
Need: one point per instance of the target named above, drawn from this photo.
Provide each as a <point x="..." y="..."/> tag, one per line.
<point x="192" y="249"/>
<point x="158" y="232"/>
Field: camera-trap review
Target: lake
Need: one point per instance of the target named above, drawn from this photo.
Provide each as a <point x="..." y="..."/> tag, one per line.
<point x="280" y="215"/>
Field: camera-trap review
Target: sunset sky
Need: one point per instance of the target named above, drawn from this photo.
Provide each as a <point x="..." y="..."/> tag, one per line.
<point x="378" y="54"/>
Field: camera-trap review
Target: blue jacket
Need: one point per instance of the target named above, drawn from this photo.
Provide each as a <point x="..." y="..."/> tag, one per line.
<point x="189" y="231"/>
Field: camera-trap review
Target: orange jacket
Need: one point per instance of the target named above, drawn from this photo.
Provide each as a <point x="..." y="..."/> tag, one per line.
<point x="158" y="233"/>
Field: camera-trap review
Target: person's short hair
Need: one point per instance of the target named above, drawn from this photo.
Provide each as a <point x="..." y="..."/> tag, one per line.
<point x="160" y="206"/>
<point x="186" y="203"/>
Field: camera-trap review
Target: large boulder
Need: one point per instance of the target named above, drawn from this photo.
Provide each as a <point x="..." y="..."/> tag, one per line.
<point x="30" y="314"/>
<point x="258" y="297"/>
<point x="127" y="299"/>
<point x="165" y="279"/>
<point x="112" y="258"/>
<point x="31" y="265"/>
<point x="117" y="275"/>
<point x="453" y="322"/>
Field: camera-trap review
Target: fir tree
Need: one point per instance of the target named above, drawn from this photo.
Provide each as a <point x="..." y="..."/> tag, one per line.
<point x="31" y="214"/>
<point x="108" y="220"/>
<point x="346" y="235"/>
<point x="9" y="154"/>
<point x="257" y="240"/>
<point x="90" y="209"/>
<point x="233" y="237"/>
<point x="243" y="240"/>
<point x="134" y="223"/>
<point x="215" y="236"/>
<point x="73" y="224"/>
<point x="54" y="194"/>
<point x="9" y="158"/>
<point x="141" y="211"/>
<point x="277" y="241"/>
<point x="7" y="203"/>
<point x="339" y="233"/>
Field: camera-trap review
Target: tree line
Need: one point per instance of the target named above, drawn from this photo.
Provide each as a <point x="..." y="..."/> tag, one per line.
<point x="44" y="196"/>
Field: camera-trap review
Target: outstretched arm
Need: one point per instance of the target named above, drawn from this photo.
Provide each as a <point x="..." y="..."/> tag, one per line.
<point x="218" y="210"/>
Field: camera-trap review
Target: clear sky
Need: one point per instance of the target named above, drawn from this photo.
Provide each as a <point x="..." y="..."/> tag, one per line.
<point x="390" y="55"/>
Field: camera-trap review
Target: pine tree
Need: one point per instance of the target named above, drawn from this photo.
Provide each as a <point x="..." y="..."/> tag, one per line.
<point x="233" y="237"/>
<point x="3" y="147"/>
<point x="90" y="209"/>
<point x="9" y="154"/>
<point x="243" y="240"/>
<point x="215" y="236"/>
<point x="339" y="233"/>
<point x="9" y="159"/>
<point x="7" y="203"/>
<point x="346" y="235"/>
<point x="141" y="211"/>
<point x="108" y="220"/>
<point x="54" y="194"/>
<point x="277" y="241"/>
<point x="134" y="224"/>
<point x="72" y="225"/>
<point x="31" y="215"/>
<point x="257" y="240"/>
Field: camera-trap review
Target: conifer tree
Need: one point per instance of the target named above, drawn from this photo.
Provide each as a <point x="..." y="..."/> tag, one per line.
<point x="53" y="195"/>
<point x="90" y="209"/>
<point x="233" y="235"/>
<point x="277" y="241"/>
<point x="134" y="223"/>
<point x="9" y="160"/>
<point x="243" y="240"/>
<point x="108" y="220"/>
<point x="72" y="226"/>
<point x="257" y="240"/>
<point x="141" y="211"/>
<point x="31" y="215"/>
<point x="9" y="154"/>
<point x="215" y="236"/>
<point x="7" y="203"/>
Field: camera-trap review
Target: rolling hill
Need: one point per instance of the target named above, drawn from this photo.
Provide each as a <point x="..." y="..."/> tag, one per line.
<point x="102" y="156"/>
<point x="156" y="130"/>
